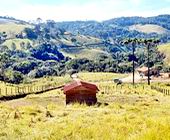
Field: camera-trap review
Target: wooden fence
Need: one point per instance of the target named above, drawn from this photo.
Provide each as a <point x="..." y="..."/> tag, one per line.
<point x="161" y="89"/>
<point x="12" y="92"/>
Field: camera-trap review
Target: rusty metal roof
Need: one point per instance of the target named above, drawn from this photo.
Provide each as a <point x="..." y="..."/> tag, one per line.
<point x="79" y="83"/>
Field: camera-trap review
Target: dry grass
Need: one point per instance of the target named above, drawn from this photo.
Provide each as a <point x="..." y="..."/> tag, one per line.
<point x="128" y="116"/>
<point x="132" y="113"/>
<point x="148" y="28"/>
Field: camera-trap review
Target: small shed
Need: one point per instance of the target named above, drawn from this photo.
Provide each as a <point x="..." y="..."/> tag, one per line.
<point x="81" y="92"/>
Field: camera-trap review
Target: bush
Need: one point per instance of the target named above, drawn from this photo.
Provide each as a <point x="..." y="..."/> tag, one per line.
<point x="14" y="77"/>
<point x="25" y="67"/>
<point x="47" y="52"/>
<point x="30" y="33"/>
<point x="43" y="71"/>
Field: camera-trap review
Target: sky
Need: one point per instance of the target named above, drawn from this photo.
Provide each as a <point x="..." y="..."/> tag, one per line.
<point x="71" y="10"/>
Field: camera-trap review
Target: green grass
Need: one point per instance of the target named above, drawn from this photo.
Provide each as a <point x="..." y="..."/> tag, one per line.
<point x="81" y="40"/>
<point x="17" y="42"/>
<point x="81" y="52"/>
<point x="99" y="76"/>
<point x="166" y="50"/>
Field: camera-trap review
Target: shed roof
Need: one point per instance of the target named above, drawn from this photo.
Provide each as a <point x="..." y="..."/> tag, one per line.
<point x="79" y="83"/>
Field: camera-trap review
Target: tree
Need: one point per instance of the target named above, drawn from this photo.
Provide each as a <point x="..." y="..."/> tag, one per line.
<point x="132" y="43"/>
<point x="30" y="33"/>
<point x="13" y="46"/>
<point x="14" y="77"/>
<point x="150" y="43"/>
<point x="47" y="51"/>
<point x="25" y="66"/>
<point x="38" y="20"/>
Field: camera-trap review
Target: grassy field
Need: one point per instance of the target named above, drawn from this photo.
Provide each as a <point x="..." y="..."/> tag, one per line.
<point x="125" y="113"/>
<point x="84" y="53"/>
<point x="32" y="86"/>
<point x="37" y="84"/>
<point x="99" y="76"/>
<point x="148" y="28"/>
<point x="166" y="50"/>
<point x="17" y="42"/>
<point x="12" y="29"/>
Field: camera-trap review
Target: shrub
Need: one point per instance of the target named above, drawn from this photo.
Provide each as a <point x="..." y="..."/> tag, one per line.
<point x="14" y="77"/>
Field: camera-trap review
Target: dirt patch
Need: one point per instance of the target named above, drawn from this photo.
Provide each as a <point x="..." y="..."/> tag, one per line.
<point x="139" y="79"/>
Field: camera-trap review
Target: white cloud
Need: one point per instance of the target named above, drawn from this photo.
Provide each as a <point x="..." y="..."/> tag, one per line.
<point x="136" y="2"/>
<point x="92" y="10"/>
<point x="98" y="11"/>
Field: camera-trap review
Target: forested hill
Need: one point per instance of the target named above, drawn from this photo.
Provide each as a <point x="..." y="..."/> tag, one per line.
<point x="158" y="26"/>
<point x="32" y="50"/>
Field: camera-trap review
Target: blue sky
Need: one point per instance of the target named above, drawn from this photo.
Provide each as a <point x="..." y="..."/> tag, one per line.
<point x="66" y="10"/>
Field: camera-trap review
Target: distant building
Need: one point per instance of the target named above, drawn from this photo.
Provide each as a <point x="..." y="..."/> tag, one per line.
<point x="143" y="71"/>
<point x="81" y="92"/>
<point x="67" y="33"/>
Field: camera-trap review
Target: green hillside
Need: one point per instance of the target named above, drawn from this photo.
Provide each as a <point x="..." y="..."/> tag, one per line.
<point x="78" y="40"/>
<point x="80" y="52"/>
<point x="166" y="50"/>
<point x="18" y="43"/>
<point x="52" y="48"/>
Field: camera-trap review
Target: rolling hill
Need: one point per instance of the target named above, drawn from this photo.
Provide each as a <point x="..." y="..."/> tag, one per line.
<point x="11" y="27"/>
<point x="55" y="48"/>
<point x="118" y="28"/>
<point x="88" y="53"/>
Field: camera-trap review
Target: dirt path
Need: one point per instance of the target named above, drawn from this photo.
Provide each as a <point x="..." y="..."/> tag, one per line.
<point x="129" y="79"/>
<point x="139" y="79"/>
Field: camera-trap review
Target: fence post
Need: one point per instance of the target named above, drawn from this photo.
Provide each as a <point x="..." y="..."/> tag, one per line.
<point x="17" y="90"/>
<point x="6" y="91"/>
<point x="11" y="91"/>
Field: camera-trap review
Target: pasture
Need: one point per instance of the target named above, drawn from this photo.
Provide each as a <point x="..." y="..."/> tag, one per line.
<point x="12" y="29"/>
<point x="123" y="112"/>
